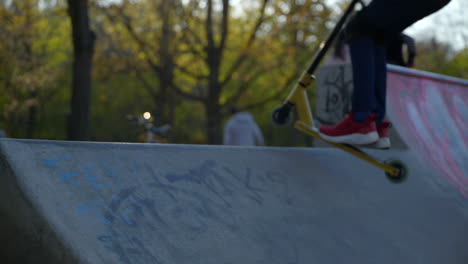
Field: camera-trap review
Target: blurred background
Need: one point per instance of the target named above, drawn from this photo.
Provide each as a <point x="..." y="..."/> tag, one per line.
<point x="86" y="70"/>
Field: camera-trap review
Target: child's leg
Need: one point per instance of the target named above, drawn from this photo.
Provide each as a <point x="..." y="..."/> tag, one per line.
<point x="369" y="31"/>
<point x="369" y="79"/>
<point x="380" y="85"/>
<point x="358" y="127"/>
<point x="364" y="72"/>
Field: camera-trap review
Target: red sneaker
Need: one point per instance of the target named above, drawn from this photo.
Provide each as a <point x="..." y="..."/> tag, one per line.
<point x="384" y="139"/>
<point x="351" y="132"/>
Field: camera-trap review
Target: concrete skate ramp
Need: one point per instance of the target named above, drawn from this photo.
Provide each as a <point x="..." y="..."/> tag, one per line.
<point x="431" y="114"/>
<point x="66" y="202"/>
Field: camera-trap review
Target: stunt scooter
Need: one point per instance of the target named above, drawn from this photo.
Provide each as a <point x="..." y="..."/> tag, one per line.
<point x="395" y="170"/>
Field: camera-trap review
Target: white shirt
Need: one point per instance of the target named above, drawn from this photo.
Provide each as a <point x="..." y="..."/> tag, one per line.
<point x="241" y="129"/>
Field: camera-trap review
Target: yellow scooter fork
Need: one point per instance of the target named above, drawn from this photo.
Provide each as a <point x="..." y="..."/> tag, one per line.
<point x="298" y="98"/>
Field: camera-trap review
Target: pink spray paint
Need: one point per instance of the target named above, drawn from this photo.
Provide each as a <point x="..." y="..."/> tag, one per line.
<point x="430" y="112"/>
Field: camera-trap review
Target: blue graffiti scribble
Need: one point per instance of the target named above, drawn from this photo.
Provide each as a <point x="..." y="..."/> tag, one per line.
<point x="93" y="210"/>
<point x="98" y="181"/>
<point x="253" y="192"/>
<point x="68" y="177"/>
<point x="201" y="175"/>
<point x="195" y="200"/>
<point x="134" y="248"/>
<point x="92" y="177"/>
<point x="53" y="163"/>
<point x="124" y="195"/>
<point x="156" y="183"/>
<point x="133" y="211"/>
<point x="113" y="243"/>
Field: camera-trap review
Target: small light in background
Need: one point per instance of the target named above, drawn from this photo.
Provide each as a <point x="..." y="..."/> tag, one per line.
<point x="147" y="115"/>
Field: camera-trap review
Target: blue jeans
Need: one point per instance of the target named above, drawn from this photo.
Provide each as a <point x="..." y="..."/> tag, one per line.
<point x="370" y="29"/>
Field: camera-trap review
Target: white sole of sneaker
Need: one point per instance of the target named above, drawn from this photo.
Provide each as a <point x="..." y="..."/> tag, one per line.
<point x="354" y="139"/>
<point x="383" y="143"/>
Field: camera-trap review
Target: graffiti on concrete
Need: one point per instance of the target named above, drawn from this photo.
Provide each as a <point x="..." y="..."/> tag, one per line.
<point x="334" y="92"/>
<point x="177" y="207"/>
<point x="433" y="118"/>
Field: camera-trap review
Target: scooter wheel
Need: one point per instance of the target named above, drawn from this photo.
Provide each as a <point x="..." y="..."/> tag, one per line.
<point x="282" y="116"/>
<point x="403" y="172"/>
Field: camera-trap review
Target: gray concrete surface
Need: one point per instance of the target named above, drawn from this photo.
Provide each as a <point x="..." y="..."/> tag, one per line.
<point x="134" y="203"/>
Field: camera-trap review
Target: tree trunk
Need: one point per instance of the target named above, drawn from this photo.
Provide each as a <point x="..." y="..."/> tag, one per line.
<point x="83" y="47"/>
<point x="213" y="123"/>
<point x="33" y="96"/>
<point x="31" y="124"/>
<point x="166" y="54"/>
<point x="212" y="106"/>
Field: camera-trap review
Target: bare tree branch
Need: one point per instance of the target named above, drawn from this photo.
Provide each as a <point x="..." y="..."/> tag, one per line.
<point x="241" y="58"/>
<point x="224" y="25"/>
<point x="275" y="96"/>
<point x="126" y="21"/>
<point x="146" y="84"/>
<point x="244" y="87"/>
<point x="187" y="95"/>
<point x="188" y="32"/>
<point x="191" y="74"/>
<point x="209" y="25"/>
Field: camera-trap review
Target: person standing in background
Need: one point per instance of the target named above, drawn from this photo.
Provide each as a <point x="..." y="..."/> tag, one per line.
<point x="242" y="130"/>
